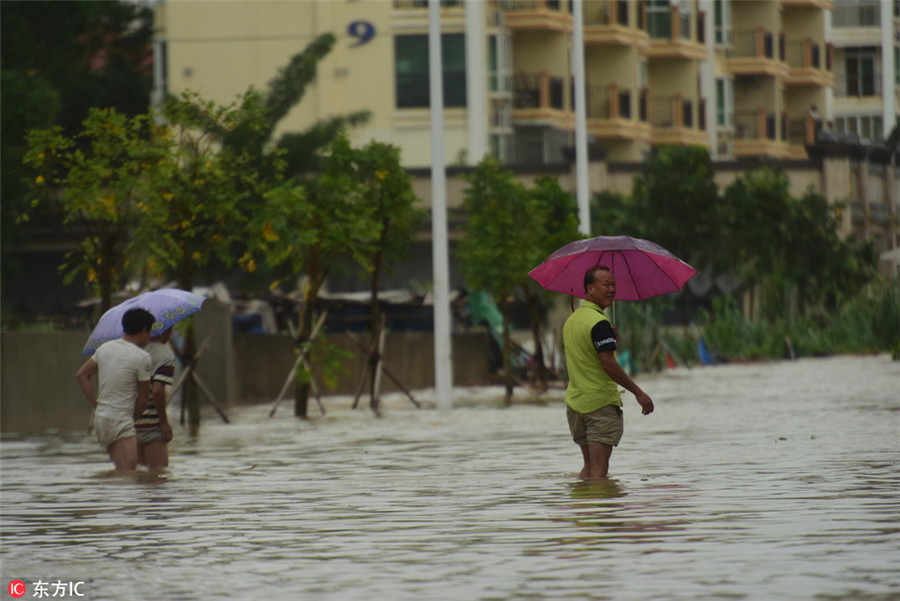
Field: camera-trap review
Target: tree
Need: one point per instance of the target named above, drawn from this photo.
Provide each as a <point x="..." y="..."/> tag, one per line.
<point x="676" y="203"/>
<point x="203" y="196"/>
<point x="310" y="225"/>
<point x="99" y="180"/>
<point x="385" y="187"/>
<point x="790" y="248"/>
<point x="298" y="152"/>
<point x="60" y="59"/>
<point x="492" y="254"/>
<point x="553" y="222"/>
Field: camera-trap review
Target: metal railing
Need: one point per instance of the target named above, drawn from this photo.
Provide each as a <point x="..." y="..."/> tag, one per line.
<point x="608" y="102"/>
<point x="746" y="125"/>
<point x="606" y="12"/>
<point x="864" y="85"/>
<point x="530" y="5"/>
<point x="803" y="54"/>
<point x="407" y="4"/>
<point x="754" y="43"/>
<point x="537" y="90"/>
<point x="758" y="125"/>
<point x="662" y="111"/>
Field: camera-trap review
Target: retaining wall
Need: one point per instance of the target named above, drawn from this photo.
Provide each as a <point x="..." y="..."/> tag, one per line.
<point x="38" y="390"/>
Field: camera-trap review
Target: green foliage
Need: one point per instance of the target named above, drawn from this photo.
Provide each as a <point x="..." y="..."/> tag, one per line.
<point x="101" y="180"/>
<point x="493" y="255"/>
<point x="728" y="334"/>
<point x="294" y="153"/>
<point x="203" y="198"/>
<point x="676" y="203"/>
<point x="91" y="54"/>
<point x="386" y="187"/>
<point x="309" y="225"/>
<point x="612" y="214"/>
<point x="865" y="324"/>
<point x="553" y="219"/>
<point x="61" y="59"/>
<point x="790" y="246"/>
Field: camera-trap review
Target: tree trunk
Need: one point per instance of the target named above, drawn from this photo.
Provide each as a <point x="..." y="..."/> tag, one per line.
<point x="534" y="313"/>
<point x="310" y="298"/>
<point x="190" y="392"/>
<point x="105" y="278"/>
<point x="507" y="346"/>
<point x="375" y="325"/>
<point x="301" y="388"/>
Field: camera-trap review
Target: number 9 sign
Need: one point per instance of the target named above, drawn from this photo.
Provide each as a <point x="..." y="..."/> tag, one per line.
<point x="363" y="31"/>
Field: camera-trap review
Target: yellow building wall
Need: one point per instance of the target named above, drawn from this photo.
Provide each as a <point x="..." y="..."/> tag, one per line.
<point x="220" y="48"/>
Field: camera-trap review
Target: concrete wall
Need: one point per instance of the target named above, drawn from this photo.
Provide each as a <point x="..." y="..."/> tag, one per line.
<point x="38" y="390"/>
<point x="263" y="363"/>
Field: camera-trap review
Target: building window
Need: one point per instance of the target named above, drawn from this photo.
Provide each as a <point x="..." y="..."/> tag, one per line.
<point x="860" y="72"/>
<point x="498" y="63"/>
<point x="725" y="102"/>
<point x="856" y="13"/>
<point x="897" y="65"/>
<point x="722" y="21"/>
<point x="659" y="19"/>
<point x="865" y="128"/>
<point x="411" y="70"/>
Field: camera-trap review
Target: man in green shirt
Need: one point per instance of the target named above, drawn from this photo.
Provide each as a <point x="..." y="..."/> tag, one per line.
<point x="593" y="400"/>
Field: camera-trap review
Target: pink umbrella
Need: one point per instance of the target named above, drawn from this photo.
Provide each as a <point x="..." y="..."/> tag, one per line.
<point x="642" y="268"/>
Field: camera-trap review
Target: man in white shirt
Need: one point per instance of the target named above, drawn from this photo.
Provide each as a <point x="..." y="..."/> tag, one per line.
<point x="123" y="375"/>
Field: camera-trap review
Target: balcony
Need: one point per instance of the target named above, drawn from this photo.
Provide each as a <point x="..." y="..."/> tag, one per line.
<point x="801" y="132"/>
<point x="610" y="22"/>
<point x="756" y="133"/>
<point x="416" y="4"/>
<point x="676" y="120"/>
<point x="757" y="52"/>
<point x="536" y="15"/>
<point x="670" y="35"/>
<point x="614" y="112"/>
<point x="822" y="4"/>
<point x="539" y="98"/>
<point x="863" y="85"/>
<point x="809" y="63"/>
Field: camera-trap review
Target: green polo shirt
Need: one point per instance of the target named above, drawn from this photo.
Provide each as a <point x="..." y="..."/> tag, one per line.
<point x="590" y="388"/>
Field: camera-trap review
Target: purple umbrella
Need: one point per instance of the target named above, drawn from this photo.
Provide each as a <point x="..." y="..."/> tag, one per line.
<point x="168" y="306"/>
<point x="642" y="269"/>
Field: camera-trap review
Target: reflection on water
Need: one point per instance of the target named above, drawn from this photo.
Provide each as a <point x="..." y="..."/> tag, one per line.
<point x="760" y="481"/>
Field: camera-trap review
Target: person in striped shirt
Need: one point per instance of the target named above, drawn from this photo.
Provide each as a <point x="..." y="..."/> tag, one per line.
<point x="153" y="429"/>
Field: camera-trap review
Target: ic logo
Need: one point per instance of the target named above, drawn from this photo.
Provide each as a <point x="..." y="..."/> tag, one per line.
<point x="17" y="588"/>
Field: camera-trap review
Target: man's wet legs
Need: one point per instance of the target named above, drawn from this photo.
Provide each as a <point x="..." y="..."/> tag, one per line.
<point x="596" y="461"/>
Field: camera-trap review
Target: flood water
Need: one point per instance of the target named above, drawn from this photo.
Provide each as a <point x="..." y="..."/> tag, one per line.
<point x="769" y="481"/>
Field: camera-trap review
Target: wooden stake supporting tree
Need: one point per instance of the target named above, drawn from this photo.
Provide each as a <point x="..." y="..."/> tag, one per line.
<point x="189" y="364"/>
<point x="302" y="360"/>
<point x="386" y="372"/>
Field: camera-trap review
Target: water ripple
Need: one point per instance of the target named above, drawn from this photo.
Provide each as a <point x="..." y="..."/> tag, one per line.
<point x="748" y="482"/>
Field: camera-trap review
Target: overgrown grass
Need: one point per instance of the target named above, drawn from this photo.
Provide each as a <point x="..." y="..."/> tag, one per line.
<point x="870" y="323"/>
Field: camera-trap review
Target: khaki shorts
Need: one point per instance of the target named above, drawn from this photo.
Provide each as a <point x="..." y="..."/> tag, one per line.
<point x="603" y="426"/>
<point x="112" y="429"/>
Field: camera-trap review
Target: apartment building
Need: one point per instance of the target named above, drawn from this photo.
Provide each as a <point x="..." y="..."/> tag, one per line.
<point x="866" y="38"/>
<point x="751" y="80"/>
<point x="737" y="76"/>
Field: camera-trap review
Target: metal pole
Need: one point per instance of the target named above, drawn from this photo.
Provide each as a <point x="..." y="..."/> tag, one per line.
<point x="581" y="148"/>
<point x="475" y="96"/>
<point x="443" y="378"/>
